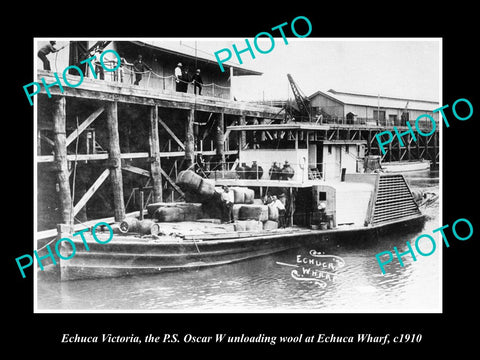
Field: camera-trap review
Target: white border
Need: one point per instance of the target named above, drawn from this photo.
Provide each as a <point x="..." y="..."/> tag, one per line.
<point x="278" y="310"/>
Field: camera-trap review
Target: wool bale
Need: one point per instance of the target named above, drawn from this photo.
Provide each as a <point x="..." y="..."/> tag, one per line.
<point x="257" y="202"/>
<point x="206" y="189"/>
<point x="235" y="210"/>
<point x="189" y="180"/>
<point x="249" y="195"/>
<point x="248" y="225"/>
<point x="239" y="225"/>
<point x="192" y="197"/>
<point x="170" y="214"/>
<point x="192" y="211"/>
<point x="238" y="195"/>
<point x="243" y="195"/>
<point x="270" y="225"/>
<point x="254" y="225"/>
<point x="212" y="208"/>
<point x="253" y="212"/>
<point x="151" y="208"/>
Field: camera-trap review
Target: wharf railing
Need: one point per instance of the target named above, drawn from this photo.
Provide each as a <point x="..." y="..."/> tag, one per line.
<point x="126" y="74"/>
<point x="264" y="170"/>
<point x="424" y="125"/>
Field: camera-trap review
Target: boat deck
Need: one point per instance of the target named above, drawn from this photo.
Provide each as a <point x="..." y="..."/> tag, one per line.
<point x="200" y="231"/>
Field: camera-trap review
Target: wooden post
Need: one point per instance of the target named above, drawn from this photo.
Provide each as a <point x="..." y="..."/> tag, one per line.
<point x="190" y="139"/>
<point x="243" y="134"/>
<point x="427" y="150"/>
<point x="220" y="139"/>
<point x="115" y="161"/>
<point x="291" y="207"/>
<point x="141" y="204"/>
<point x="409" y="149"/>
<point x="390" y="152"/>
<point x="369" y="142"/>
<point x="60" y="158"/>
<point x="155" y="156"/>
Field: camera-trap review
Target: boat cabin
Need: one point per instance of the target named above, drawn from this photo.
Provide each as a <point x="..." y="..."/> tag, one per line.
<point x="299" y="147"/>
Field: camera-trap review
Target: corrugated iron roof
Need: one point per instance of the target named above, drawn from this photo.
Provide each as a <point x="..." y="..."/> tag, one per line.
<point x="377" y="101"/>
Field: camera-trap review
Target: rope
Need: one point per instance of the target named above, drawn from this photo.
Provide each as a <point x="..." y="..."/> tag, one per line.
<point x="170" y="76"/>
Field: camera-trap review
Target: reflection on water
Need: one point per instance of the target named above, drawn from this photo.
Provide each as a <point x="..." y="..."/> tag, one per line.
<point x="264" y="285"/>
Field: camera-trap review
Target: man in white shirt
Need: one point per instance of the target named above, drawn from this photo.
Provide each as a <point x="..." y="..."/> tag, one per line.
<point x="281" y="211"/>
<point x="227" y="198"/>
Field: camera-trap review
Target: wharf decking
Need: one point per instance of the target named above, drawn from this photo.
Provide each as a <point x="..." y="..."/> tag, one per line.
<point x="134" y="94"/>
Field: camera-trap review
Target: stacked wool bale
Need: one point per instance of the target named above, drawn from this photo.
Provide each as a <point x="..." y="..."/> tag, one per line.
<point x="200" y="191"/>
<point x="248" y="212"/>
<point x="195" y="187"/>
<point x="272" y="222"/>
<point x="241" y="196"/>
<point x="252" y="214"/>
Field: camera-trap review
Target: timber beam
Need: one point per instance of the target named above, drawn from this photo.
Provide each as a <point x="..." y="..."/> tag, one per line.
<point x="128" y="93"/>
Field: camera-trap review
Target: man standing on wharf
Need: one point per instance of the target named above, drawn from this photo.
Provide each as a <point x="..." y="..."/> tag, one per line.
<point x="178" y="77"/>
<point x="197" y="82"/>
<point x="44" y="51"/>
<point x="139" y="67"/>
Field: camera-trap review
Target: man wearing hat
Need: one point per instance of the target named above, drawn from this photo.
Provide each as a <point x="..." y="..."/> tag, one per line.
<point x="44" y="51"/>
<point x="139" y="67"/>
<point x="227" y="204"/>
<point x="281" y="211"/>
<point x="197" y="82"/>
<point x="178" y="77"/>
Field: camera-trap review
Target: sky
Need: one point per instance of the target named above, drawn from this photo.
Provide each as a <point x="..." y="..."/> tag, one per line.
<point x="407" y="68"/>
<point x="404" y="67"/>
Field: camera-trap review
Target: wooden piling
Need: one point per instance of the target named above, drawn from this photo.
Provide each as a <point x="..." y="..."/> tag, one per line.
<point x="190" y="139"/>
<point x="115" y="161"/>
<point x="155" y="165"/>
<point x="220" y="138"/>
<point x="243" y="134"/>
<point x="60" y="158"/>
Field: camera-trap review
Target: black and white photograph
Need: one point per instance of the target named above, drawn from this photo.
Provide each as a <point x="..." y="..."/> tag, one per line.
<point x="207" y="180"/>
<point x="170" y="179"/>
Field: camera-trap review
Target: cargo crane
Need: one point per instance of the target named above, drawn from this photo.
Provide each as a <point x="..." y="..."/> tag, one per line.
<point x="303" y="103"/>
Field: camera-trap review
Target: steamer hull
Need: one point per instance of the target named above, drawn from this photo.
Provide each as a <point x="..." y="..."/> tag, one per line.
<point x="130" y="256"/>
<point x="359" y="209"/>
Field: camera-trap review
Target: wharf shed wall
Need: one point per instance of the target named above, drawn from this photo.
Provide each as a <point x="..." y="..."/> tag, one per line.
<point x="365" y="108"/>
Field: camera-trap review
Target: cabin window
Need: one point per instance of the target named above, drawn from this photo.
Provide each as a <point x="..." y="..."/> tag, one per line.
<point x="322" y="196"/>
<point x="347" y="148"/>
<point x="329" y="149"/>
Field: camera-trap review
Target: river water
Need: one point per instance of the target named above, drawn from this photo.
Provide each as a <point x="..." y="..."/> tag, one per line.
<point x="277" y="283"/>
